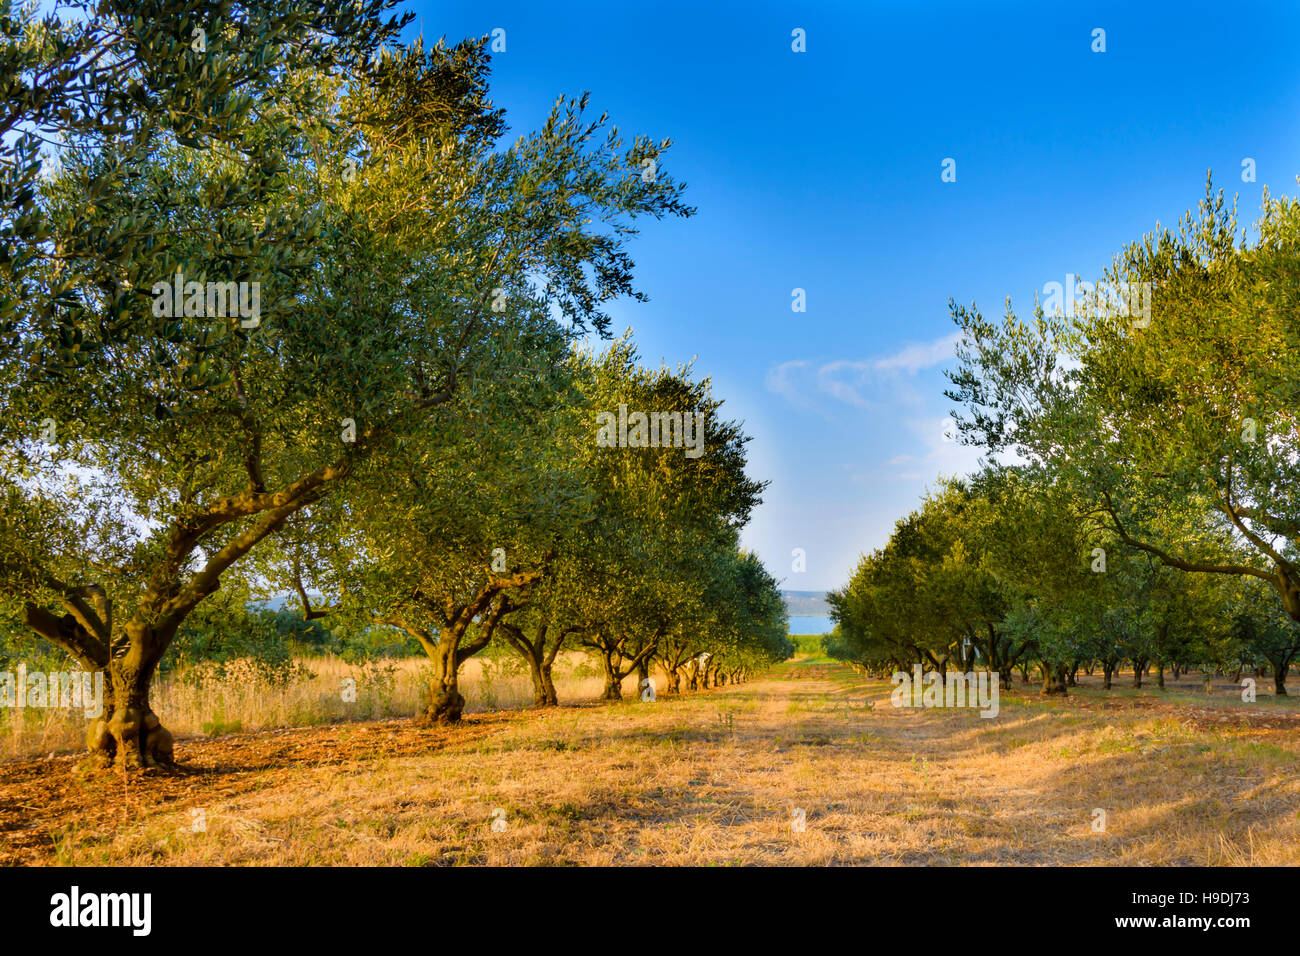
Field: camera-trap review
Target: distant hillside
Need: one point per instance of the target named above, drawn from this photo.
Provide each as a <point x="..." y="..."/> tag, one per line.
<point x="805" y="603"/>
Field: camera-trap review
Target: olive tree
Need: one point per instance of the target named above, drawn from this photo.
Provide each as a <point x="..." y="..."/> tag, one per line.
<point x="153" y="438"/>
<point x="1170" y="403"/>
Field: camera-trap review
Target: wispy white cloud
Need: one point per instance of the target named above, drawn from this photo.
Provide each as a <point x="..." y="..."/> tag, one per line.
<point x="781" y="380"/>
<point x="871" y="384"/>
<point x="923" y="355"/>
<point x="912" y="439"/>
<point x="846" y="381"/>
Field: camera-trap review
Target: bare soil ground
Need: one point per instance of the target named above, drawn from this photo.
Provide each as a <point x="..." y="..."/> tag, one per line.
<point x="807" y="765"/>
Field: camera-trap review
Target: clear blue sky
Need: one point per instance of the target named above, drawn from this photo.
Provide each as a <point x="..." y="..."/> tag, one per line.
<point x="821" y="170"/>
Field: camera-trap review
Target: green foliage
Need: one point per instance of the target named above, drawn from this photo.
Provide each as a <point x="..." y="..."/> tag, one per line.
<point x="401" y="431"/>
<point x="1176" y="428"/>
<point x="419" y="284"/>
<point x="1156" y="509"/>
<point x="809" y="643"/>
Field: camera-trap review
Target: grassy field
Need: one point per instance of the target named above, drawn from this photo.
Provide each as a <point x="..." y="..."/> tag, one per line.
<point x="240" y="696"/>
<point x="808" y="764"/>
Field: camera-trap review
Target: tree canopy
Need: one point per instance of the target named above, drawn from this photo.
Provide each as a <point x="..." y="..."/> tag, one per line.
<point x="280" y="302"/>
<point x="1155" y="504"/>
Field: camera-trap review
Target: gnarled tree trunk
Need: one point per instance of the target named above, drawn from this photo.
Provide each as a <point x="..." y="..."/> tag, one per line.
<point x="127" y="732"/>
<point x="1054" y="681"/>
<point x="674" y="677"/>
<point x="540" y="657"/>
<point x="613" y="677"/>
<point x="135" y="736"/>
<point x="446" y="702"/>
<point x="613" y="657"/>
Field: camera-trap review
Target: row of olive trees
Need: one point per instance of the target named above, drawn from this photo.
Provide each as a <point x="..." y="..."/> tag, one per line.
<point x="1007" y="570"/>
<point x="262" y="270"/>
<point x="528" y="530"/>
<point x="1156" y="519"/>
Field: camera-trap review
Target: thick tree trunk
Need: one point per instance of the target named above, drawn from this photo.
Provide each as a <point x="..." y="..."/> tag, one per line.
<point x="446" y="703"/>
<point x="613" y="679"/>
<point x="1279" y="680"/>
<point x="1053" y="680"/>
<point x="548" y="685"/>
<point x="674" y="676"/>
<point x="1138" y="667"/>
<point x="1108" y="671"/>
<point x="129" y="733"/>
<point x="539" y="684"/>
<point x="539" y="671"/>
<point x="538" y="657"/>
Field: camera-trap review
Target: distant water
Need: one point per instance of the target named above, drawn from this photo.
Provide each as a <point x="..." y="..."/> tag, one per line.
<point x="812" y="624"/>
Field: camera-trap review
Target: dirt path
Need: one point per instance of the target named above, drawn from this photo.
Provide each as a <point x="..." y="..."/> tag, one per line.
<point x="808" y="765"/>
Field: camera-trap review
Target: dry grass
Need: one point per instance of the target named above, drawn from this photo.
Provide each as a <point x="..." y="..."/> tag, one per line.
<point x="240" y="697"/>
<point x="708" y="779"/>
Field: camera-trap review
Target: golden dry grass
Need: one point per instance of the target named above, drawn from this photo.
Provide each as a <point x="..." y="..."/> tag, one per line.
<point x="708" y="779"/>
<point x="240" y="697"/>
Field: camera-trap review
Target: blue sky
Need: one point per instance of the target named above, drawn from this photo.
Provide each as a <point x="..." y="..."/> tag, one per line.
<point x="822" y="171"/>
